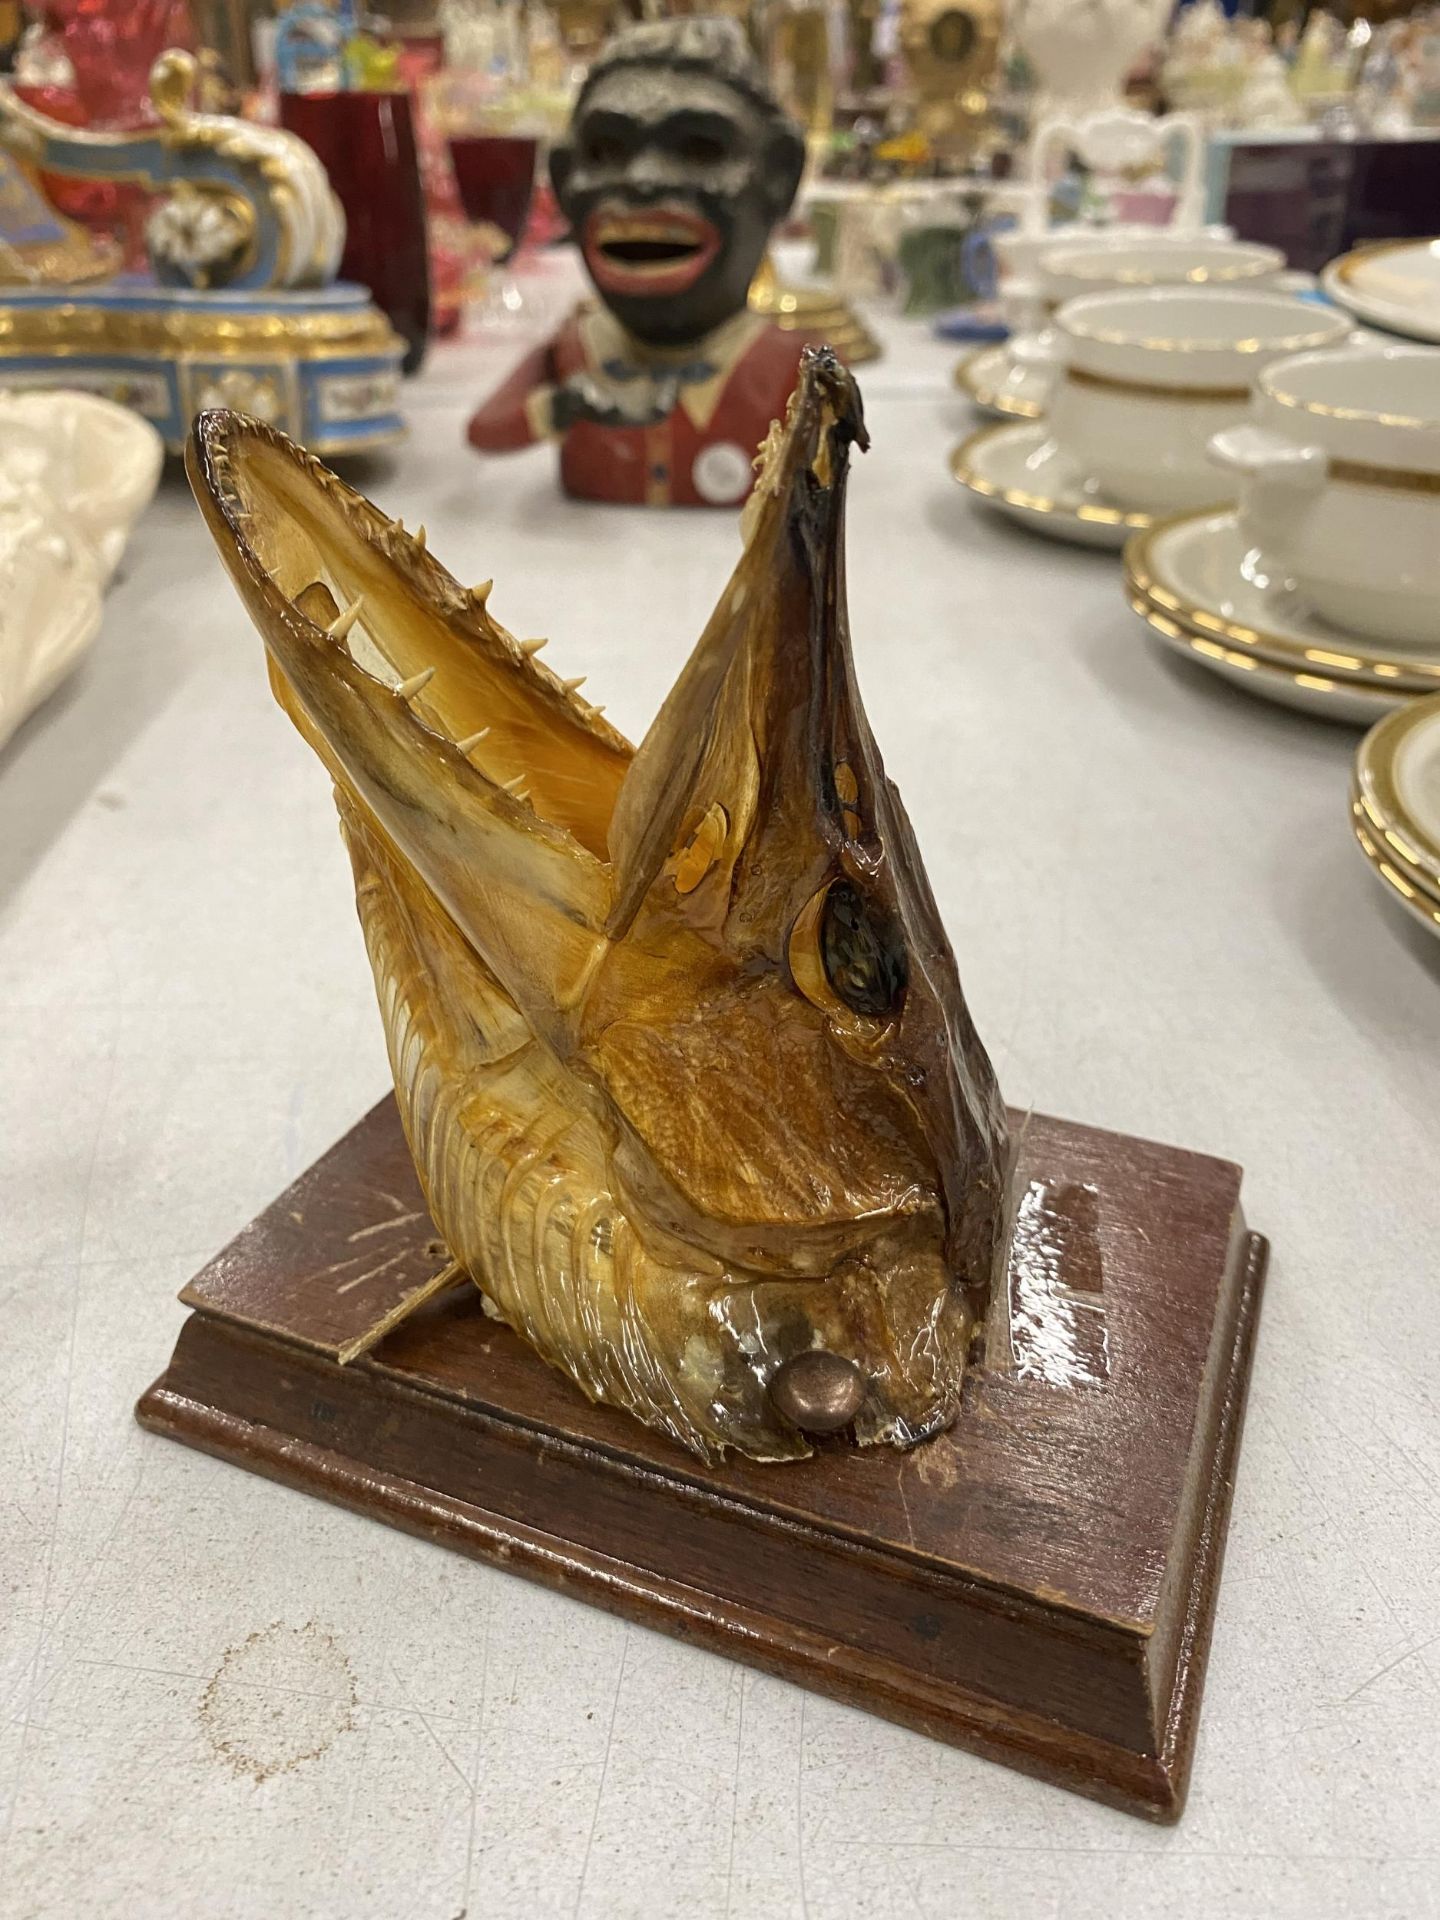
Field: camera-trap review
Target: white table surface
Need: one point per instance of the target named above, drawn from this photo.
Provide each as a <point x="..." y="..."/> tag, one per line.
<point x="219" y="1698"/>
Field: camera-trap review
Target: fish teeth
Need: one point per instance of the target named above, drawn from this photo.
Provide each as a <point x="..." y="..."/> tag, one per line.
<point x="407" y="689"/>
<point x="513" y="786"/>
<point x="479" y="595"/>
<point x="343" y="622"/>
<point x="578" y="681"/>
<point x="472" y="740"/>
<point x="532" y="647"/>
<point x="420" y="538"/>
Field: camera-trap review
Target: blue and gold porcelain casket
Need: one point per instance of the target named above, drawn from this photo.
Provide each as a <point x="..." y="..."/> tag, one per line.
<point x="241" y="308"/>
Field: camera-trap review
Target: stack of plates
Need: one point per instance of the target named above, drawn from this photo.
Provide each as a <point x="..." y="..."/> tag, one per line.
<point x="1199" y="585"/>
<point x="1395" y="806"/>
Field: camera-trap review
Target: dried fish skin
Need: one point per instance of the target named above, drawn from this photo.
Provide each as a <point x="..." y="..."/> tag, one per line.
<point x="678" y="1040"/>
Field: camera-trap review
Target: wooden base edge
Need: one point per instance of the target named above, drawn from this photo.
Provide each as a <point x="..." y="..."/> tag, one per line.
<point x="1150" y="1784"/>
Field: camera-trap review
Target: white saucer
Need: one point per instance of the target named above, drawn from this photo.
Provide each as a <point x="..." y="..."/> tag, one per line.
<point x="1018" y="468"/>
<point x="1393" y="284"/>
<point x="1201" y="587"/>
<point x="1002" y="386"/>
<point x="1395" y="806"/>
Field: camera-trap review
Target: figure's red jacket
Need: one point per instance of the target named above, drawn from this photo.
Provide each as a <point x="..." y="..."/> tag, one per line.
<point x="700" y="455"/>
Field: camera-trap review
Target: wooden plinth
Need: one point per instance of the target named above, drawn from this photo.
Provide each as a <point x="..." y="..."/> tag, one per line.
<point x="1037" y="1585"/>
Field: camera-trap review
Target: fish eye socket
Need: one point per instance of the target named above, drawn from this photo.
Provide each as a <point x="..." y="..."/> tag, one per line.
<point x="862" y="952"/>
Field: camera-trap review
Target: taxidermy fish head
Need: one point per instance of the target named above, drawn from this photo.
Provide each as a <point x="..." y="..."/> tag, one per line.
<point x="677" y="1036"/>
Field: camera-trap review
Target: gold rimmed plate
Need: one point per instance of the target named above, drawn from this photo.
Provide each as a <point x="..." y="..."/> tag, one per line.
<point x="1020" y="469"/>
<point x="1350" y="705"/>
<point x="1394" y="284"/>
<point x="1422" y="905"/>
<point x="996" y="384"/>
<point x="1198" y="572"/>
<point x="1395" y="805"/>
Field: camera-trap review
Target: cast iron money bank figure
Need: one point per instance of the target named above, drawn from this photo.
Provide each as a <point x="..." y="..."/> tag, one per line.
<point x="677" y="166"/>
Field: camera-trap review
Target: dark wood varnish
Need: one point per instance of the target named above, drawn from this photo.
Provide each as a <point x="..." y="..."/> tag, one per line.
<point x="1037" y="1585"/>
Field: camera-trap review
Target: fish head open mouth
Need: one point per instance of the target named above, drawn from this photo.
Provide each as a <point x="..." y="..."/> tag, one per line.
<point x="677" y="1034"/>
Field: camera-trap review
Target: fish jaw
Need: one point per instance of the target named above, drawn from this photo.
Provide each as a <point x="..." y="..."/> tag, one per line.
<point x="527" y="892"/>
<point x="677" y="1037"/>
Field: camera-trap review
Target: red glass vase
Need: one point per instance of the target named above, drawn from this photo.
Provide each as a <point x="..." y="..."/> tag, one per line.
<point x="366" y="143"/>
<point x="495" y="173"/>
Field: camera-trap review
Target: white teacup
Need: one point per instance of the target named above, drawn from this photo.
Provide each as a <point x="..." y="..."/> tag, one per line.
<point x="1018" y="255"/>
<point x="1066" y="272"/>
<point x="1150" y="377"/>
<point x="1339" y="466"/>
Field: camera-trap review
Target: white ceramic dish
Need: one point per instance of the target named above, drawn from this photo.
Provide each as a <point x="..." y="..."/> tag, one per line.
<point x="1393" y="284"/>
<point x="1395" y="806"/>
<point x="1201" y="569"/>
<point x="1019" y="251"/>
<point x="1149" y="377"/>
<point x="1069" y="271"/>
<point x="1339" y="478"/>
<point x="1019" y="469"/>
<point x="1189" y="580"/>
<point x="1000" y="385"/>
<point x="75" y="472"/>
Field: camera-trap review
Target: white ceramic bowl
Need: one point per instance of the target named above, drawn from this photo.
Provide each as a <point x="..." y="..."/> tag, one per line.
<point x="1018" y="255"/>
<point x="1069" y="271"/>
<point x="1149" y="377"/>
<point x="1339" y="474"/>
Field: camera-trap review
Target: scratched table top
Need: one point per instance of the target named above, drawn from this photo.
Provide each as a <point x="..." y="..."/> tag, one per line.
<point x="218" y="1698"/>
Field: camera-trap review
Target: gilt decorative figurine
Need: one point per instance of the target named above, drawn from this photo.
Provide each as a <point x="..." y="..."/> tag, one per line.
<point x="677" y="1036"/>
<point x="677" y="165"/>
<point x="240" y="306"/>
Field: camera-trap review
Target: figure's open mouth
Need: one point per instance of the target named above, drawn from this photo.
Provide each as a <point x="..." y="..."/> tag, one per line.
<point x="657" y="250"/>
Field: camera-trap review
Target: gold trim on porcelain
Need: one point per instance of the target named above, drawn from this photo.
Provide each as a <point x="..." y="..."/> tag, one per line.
<point x="1289" y="343"/>
<point x="1377" y="792"/>
<point x="1390" y="845"/>
<point x="1255" y="663"/>
<point x="80" y="328"/>
<point x="1137" y="277"/>
<point x="1155" y="389"/>
<point x="1357" y="473"/>
<point x="1364" y="671"/>
<point x="1324" y="411"/>
<point x="1347" y="265"/>
<point x="1095" y="516"/>
<point x="1420" y="903"/>
<point x="990" y="397"/>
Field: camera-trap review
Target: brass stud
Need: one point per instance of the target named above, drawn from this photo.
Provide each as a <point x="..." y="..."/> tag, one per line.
<point x="818" y="1392"/>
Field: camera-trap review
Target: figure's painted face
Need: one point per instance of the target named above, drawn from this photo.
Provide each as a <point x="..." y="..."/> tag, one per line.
<point x="672" y="182"/>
